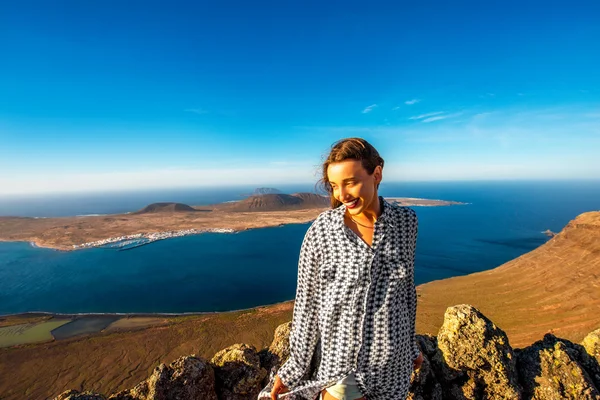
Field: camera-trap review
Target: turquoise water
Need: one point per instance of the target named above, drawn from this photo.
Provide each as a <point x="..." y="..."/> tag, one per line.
<point x="218" y="272"/>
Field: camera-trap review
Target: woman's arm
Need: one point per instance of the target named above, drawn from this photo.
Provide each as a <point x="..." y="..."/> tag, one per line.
<point x="305" y="331"/>
<point x="412" y="291"/>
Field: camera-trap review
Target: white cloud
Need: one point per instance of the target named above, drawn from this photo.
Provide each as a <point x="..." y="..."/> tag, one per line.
<point x="369" y="109"/>
<point x="431" y="119"/>
<point x="440" y="117"/>
<point x="502" y="143"/>
<point x="396" y="108"/>
<point x="431" y="114"/>
<point x="411" y="102"/>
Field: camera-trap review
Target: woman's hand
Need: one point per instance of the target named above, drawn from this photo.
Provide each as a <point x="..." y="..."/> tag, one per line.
<point x="278" y="388"/>
<point x="418" y="361"/>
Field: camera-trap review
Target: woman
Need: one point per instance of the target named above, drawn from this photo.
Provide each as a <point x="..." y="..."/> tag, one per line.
<point x="356" y="299"/>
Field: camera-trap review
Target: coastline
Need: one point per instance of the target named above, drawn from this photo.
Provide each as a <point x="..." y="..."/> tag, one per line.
<point x="80" y="232"/>
<point x="32" y="314"/>
<point x="123" y="241"/>
<point x="72" y="233"/>
<point x="115" y="240"/>
<point x="14" y="328"/>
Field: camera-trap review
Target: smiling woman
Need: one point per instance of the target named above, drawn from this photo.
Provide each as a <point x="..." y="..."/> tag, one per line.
<point x="353" y="178"/>
<point x="364" y="159"/>
<point x="355" y="299"/>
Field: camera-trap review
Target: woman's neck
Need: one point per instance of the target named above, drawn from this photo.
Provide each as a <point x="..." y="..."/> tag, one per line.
<point x="370" y="214"/>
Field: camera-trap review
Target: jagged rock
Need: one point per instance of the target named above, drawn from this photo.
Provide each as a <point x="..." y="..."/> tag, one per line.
<point x="427" y="344"/>
<point x="423" y="383"/>
<point x="591" y="343"/>
<point x="591" y="358"/>
<point x="273" y="357"/>
<point x="476" y="354"/>
<point x="466" y="389"/>
<point x="279" y="350"/>
<point x="470" y="359"/>
<point x="553" y="368"/>
<point x="185" y="378"/>
<point x="281" y="342"/>
<point x="76" y="395"/>
<point x="238" y="373"/>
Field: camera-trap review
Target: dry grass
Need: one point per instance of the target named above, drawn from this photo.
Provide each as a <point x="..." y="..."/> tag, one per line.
<point x="109" y="362"/>
<point x="129" y="323"/>
<point x="554" y="288"/>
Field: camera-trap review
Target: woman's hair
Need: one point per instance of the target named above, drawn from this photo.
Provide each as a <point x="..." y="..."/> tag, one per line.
<point x="349" y="149"/>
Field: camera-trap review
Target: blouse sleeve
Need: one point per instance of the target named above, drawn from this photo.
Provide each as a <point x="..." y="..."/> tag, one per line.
<point x="304" y="333"/>
<point x="412" y="291"/>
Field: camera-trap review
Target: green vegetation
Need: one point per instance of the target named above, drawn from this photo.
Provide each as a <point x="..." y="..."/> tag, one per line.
<point x="29" y="333"/>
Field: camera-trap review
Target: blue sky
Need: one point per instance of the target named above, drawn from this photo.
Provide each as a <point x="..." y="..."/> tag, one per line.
<point x="100" y="95"/>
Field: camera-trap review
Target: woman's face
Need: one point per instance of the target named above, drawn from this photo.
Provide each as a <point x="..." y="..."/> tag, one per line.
<point x="353" y="186"/>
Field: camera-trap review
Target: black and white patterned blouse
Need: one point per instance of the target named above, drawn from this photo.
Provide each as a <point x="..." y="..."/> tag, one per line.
<point x="357" y="303"/>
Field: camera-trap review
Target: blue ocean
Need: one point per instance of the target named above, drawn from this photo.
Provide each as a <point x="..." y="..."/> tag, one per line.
<point x="220" y="271"/>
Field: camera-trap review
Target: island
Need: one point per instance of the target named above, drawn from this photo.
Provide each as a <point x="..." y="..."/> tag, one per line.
<point x="417" y="202"/>
<point x="160" y="221"/>
<point x="549" y="233"/>
<point x="552" y="289"/>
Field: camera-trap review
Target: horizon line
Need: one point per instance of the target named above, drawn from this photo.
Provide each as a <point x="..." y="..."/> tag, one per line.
<point x="275" y="185"/>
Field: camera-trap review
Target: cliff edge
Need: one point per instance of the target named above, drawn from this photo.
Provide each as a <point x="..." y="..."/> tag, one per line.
<point x="555" y="287"/>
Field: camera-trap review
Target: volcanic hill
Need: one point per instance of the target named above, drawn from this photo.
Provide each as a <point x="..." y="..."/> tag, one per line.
<point x="165" y="208"/>
<point x="276" y="202"/>
<point x="264" y="190"/>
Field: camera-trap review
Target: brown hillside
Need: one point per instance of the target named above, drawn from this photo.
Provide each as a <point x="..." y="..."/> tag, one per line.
<point x="276" y="202"/>
<point x="313" y="199"/>
<point x="113" y="361"/>
<point x="165" y="208"/>
<point x="553" y="288"/>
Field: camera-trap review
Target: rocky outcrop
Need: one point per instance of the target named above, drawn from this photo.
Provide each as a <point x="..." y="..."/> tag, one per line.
<point x="591" y="343"/>
<point x="185" y="378"/>
<point x="470" y="359"/>
<point x="475" y="356"/>
<point x="279" y="350"/>
<point x="75" y="395"/>
<point x="423" y="382"/>
<point x="238" y="373"/>
<point x="555" y="368"/>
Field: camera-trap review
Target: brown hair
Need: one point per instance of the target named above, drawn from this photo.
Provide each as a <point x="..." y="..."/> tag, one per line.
<point x="349" y="149"/>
